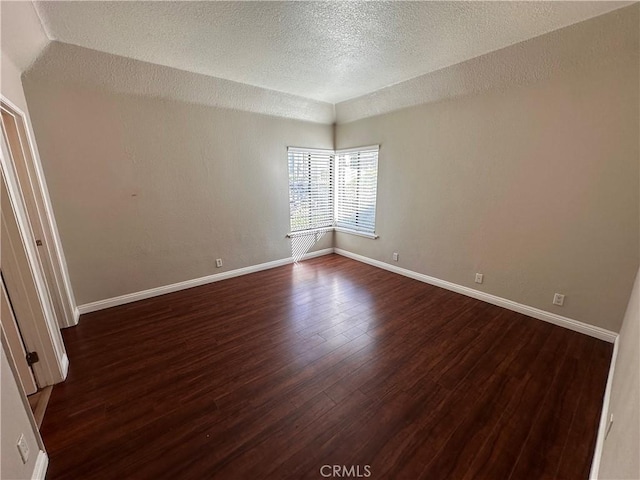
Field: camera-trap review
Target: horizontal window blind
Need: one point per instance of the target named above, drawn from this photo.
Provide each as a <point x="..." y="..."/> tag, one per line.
<point x="356" y="189"/>
<point x="310" y="188"/>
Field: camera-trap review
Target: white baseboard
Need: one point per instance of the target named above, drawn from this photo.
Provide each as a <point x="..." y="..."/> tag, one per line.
<point x="64" y="364"/>
<point x="40" y="468"/>
<point x="553" y="318"/>
<point x="559" y="320"/>
<point x="604" y="421"/>
<point x="154" y="292"/>
<point x="71" y="322"/>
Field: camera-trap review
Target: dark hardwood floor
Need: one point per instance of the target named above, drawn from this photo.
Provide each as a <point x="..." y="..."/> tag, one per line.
<point x="327" y="362"/>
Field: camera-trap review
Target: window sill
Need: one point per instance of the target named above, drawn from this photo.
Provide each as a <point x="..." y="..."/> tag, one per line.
<point x="313" y="231"/>
<point x="302" y="233"/>
<point x="372" y="236"/>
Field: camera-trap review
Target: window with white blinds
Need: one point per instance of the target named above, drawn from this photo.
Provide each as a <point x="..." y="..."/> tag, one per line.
<point x="310" y="188"/>
<point x="356" y="189"/>
<point x="328" y="189"/>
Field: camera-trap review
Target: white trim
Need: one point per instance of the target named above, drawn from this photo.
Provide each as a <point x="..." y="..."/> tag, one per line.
<point x="53" y="227"/>
<point x="40" y="468"/>
<point x="358" y="149"/>
<point x="604" y="422"/>
<point x="559" y="320"/>
<point x="311" y="231"/>
<point x="372" y="236"/>
<point x="45" y="337"/>
<point x="64" y="365"/>
<point x="320" y="151"/>
<point x="154" y="292"/>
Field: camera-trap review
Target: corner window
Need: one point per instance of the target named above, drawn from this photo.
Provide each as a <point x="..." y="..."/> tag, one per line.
<point x="330" y="189"/>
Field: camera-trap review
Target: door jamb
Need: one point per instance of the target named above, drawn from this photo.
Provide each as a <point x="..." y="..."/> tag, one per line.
<point x="58" y="261"/>
<point x="40" y="330"/>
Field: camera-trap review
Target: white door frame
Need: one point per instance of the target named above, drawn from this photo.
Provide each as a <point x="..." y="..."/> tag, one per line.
<point x="25" y="281"/>
<point x="40" y="212"/>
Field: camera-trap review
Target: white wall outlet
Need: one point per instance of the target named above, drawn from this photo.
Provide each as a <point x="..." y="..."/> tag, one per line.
<point x="218" y="262"/>
<point x="23" y="448"/>
<point x="558" y="299"/>
<point x="395" y="256"/>
<point x="479" y="277"/>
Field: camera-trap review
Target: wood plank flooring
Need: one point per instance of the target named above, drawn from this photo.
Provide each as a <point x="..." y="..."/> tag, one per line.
<point x="327" y="362"/>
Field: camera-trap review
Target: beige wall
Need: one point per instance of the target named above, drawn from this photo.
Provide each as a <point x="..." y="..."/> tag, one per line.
<point x="621" y="451"/>
<point x="535" y="185"/>
<point x="14" y="421"/>
<point x="531" y="182"/>
<point x="149" y="191"/>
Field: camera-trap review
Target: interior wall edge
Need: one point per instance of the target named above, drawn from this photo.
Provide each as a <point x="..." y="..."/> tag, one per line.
<point x="621" y="423"/>
<point x="76" y="317"/>
<point x="42" y="462"/>
<point x="603" y="424"/>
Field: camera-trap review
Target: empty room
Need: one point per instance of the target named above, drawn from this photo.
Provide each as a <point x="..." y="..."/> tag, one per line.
<point x="286" y="240"/>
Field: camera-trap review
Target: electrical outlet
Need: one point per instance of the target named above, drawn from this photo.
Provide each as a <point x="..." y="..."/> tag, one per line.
<point x="479" y="277"/>
<point x="558" y="299"/>
<point x="395" y="256"/>
<point x="23" y="448"/>
<point x="218" y="262"/>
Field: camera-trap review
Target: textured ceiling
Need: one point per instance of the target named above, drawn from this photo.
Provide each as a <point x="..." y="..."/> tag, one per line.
<point x="328" y="51"/>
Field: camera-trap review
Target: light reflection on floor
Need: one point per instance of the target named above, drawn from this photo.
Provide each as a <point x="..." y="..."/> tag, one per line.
<point x="328" y="309"/>
<point x="302" y="243"/>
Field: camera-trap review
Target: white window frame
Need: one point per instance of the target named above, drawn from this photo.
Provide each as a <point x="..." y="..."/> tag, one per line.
<point x="318" y="165"/>
<point x="367" y="233"/>
<point x="351" y="205"/>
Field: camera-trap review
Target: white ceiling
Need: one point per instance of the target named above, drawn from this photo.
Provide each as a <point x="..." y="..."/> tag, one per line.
<point x="327" y="51"/>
